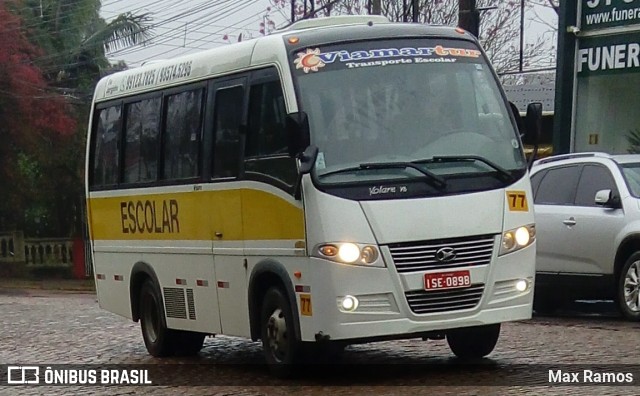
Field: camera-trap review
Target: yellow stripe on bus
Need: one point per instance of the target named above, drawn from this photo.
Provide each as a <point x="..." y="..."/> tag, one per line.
<point x="197" y="215"/>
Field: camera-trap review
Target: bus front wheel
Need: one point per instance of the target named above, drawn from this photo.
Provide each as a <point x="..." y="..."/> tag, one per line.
<point x="157" y="338"/>
<point x="473" y="342"/>
<point x="281" y="348"/>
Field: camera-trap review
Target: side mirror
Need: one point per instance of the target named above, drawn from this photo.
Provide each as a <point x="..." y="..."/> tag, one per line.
<point x="534" y="121"/>
<point x="307" y="160"/>
<point x="297" y="125"/>
<point x="516" y="115"/>
<point x="607" y="199"/>
<point x="534" y="127"/>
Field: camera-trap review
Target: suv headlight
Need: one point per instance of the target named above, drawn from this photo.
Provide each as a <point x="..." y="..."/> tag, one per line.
<point x="349" y="253"/>
<point x="517" y="238"/>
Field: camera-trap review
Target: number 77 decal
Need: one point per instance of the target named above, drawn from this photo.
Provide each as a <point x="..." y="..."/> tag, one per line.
<point x="517" y="201"/>
<point x="305" y="305"/>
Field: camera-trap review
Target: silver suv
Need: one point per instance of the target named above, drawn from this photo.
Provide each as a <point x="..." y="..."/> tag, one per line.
<point x="587" y="209"/>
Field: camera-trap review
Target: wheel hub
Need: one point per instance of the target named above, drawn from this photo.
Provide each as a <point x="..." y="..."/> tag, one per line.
<point x="277" y="335"/>
<point x="632" y="287"/>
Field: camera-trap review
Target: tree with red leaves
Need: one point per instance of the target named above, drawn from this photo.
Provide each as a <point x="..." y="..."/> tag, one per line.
<point x="32" y="116"/>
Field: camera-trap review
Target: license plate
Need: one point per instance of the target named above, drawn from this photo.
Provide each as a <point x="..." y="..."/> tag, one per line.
<point x="447" y="280"/>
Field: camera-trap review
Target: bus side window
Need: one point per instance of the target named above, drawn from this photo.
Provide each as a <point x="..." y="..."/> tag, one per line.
<point x="105" y="154"/>
<point x="141" y="140"/>
<point x="182" y="135"/>
<point x="266" y="150"/>
<point x="227" y="121"/>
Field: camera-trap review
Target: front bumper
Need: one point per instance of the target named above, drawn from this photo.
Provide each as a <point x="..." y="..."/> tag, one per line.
<point x="384" y="310"/>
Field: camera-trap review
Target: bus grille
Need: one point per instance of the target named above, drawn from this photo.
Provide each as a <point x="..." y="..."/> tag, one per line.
<point x="421" y="256"/>
<point x="174" y="303"/>
<point x="425" y="302"/>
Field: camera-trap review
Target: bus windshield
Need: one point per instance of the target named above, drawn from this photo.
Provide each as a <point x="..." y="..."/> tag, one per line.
<point x="404" y="101"/>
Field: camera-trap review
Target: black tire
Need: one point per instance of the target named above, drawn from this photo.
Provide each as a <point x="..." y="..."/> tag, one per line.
<point x="628" y="289"/>
<point x="473" y="342"/>
<point x="325" y="352"/>
<point x="281" y="348"/>
<point x="157" y="338"/>
<point x="545" y="304"/>
<point x="188" y="343"/>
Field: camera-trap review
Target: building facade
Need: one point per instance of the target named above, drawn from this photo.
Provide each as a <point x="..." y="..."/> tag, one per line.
<point x="598" y="77"/>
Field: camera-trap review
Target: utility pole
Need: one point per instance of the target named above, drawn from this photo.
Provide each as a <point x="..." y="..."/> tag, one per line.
<point x="376" y="7"/>
<point x="521" y="34"/>
<point x="469" y="16"/>
<point x="414" y="8"/>
<point x="293" y="11"/>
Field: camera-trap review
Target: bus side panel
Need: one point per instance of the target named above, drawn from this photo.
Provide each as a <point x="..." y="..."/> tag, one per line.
<point x="228" y="249"/>
<point x="112" y="271"/>
<point x="171" y="233"/>
<point x="186" y="279"/>
<point x="273" y="223"/>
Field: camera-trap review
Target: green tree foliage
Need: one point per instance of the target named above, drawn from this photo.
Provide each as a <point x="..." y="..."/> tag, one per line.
<point x="633" y="138"/>
<point x="30" y="114"/>
<point x="54" y="54"/>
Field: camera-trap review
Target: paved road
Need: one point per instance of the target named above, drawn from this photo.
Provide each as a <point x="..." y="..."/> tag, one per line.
<point x="53" y="328"/>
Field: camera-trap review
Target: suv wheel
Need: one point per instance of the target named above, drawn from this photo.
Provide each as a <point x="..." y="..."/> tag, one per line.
<point x="628" y="294"/>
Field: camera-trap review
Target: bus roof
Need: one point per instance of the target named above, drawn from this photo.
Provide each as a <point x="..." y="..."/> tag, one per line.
<point x="261" y="51"/>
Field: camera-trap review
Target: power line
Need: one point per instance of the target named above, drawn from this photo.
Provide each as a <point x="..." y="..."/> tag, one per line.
<point x="166" y="37"/>
<point x="184" y="52"/>
<point x="193" y="10"/>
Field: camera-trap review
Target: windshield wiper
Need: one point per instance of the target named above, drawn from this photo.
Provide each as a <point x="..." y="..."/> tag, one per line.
<point x="468" y="158"/>
<point x="434" y="179"/>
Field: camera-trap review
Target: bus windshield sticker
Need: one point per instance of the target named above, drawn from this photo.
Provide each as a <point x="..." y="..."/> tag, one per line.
<point x="314" y="59"/>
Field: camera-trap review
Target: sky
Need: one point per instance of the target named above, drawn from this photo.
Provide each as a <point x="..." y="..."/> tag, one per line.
<point x="185" y="26"/>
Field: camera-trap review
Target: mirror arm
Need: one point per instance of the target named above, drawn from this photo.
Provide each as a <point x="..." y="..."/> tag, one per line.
<point x="297" y="188"/>
<point x="534" y="154"/>
<point x="305" y="161"/>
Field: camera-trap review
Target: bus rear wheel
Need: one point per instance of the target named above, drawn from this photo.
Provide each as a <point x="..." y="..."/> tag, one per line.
<point x="281" y="348"/>
<point x="473" y="342"/>
<point x="157" y="338"/>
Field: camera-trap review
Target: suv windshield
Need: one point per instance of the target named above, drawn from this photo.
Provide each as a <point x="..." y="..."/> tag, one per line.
<point x="404" y="101"/>
<point x="631" y="173"/>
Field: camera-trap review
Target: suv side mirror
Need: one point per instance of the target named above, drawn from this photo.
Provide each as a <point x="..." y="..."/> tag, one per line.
<point x="297" y="126"/>
<point x="607" y="199"/>
<point x="533" y="125"/>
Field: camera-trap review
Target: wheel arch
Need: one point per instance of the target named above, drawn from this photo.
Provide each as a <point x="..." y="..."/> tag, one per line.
<point x="629" y="245"/>
<point x="265" y="274"/>
<point x="141" y="272"/>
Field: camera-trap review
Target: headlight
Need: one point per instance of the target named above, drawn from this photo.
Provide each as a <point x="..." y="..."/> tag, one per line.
<point x="517" y="238"/>
<point x="350" y="253"/>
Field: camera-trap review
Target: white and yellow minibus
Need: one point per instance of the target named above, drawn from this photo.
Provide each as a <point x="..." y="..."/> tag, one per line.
<point x="346" y="180"/>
